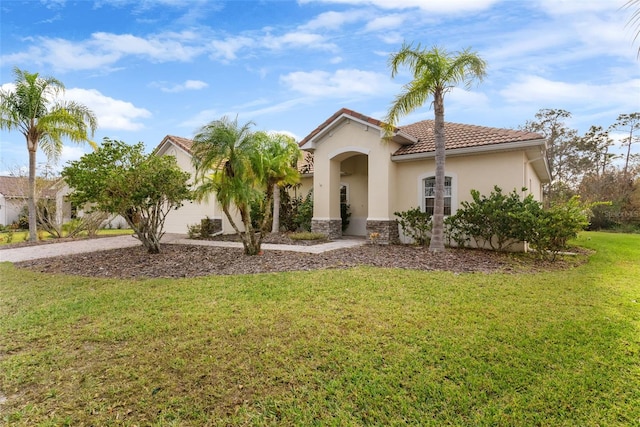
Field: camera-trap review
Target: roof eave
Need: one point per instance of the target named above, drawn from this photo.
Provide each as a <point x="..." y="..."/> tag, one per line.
<point x="507" y="146"/>
<point x="310" y="145"/>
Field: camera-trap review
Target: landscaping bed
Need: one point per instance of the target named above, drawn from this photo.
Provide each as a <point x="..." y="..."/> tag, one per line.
<point x="180" y="260"/>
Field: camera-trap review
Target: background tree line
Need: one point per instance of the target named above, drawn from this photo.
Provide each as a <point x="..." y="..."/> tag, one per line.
<point x="591" y="167"/>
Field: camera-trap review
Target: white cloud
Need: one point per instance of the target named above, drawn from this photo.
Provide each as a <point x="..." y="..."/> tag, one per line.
<point x="187" y="85"/>
<point x="386" y="22"/>
<point x="297" y="39"/>
<point x="342" y="83"/>
<point x="112" y="114"/>
<point x="105" y="49"/>
<point x="333" y="20"/>
<point x="227" y="49"/>
<point x="557" y="94"/>
<point x="436" y="6"/>
<point x="73" y="152"/>
<point x="572" y="7"/>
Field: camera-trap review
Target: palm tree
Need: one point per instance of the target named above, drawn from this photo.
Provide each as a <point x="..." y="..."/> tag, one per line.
<point x="44" y="122"/>
<point x="280" y="155"/>
<point x="223" y="153"/>
<point x="634" y="19"/>
<point x="435" y="72"/>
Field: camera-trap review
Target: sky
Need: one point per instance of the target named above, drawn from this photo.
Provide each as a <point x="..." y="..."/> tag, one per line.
<point x="151" y="68"/>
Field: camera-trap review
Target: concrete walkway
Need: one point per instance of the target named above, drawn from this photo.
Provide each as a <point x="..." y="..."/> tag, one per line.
<point x="105" y="243"/>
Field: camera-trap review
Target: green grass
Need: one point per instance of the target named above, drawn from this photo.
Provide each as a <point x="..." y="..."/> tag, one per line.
<point x="22" y="235"/>
<point x="307" y="235"/>
<point x="357" y="347"/>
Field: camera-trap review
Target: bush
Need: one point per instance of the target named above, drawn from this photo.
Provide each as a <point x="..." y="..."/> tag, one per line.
<point x="416" y="225"/>
<point x="549" y="230"/>
<point x="501" y="220"/>
<point x="193" y="231"/>
<point x="307" y="235"/>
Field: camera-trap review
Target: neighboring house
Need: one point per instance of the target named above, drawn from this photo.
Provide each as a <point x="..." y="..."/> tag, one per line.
<point x="353" y="164"/>
<point x="14" y="191"/>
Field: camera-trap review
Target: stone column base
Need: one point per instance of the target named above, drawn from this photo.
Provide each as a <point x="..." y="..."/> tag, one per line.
<point x="387" y="231"/>
<point x="331" y="227"/>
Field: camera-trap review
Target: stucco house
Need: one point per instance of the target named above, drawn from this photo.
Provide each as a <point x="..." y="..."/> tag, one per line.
<point x="14" y="191"/>
<point x="353" y="164"/>
<point x="192" y="212"/>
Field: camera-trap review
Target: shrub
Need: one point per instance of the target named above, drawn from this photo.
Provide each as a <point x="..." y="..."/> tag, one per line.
<point x="307" y="235"/>
<point x="416" y="225"/>
<point x="304" y="212"/>
<point x="193" y="231"/>
<point x="548" y="231"/>
<point x="501" y="220"/>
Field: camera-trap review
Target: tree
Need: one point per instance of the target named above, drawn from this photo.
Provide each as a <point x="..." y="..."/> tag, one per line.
<point x="594" y="146"/>
<point x="31" y="109"/>
<point x="120" y="179"/>
<point x="634" y="19"/>
<point x="435" y="72"/>
<point x="281" y="155"/>
<point x="562" y="152"/>
<point x="630" y="123"/>
<point x="241" y="168"/>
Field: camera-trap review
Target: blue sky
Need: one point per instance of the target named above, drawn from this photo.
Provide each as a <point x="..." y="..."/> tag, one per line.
<point x="153" y="68"/>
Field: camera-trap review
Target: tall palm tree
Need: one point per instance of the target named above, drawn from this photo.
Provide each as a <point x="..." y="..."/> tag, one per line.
<point x="435" y="72"/>
<point x="31" y="109"/>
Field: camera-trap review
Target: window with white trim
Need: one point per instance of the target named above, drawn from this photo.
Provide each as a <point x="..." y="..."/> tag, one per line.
<point x="429" y="194"/>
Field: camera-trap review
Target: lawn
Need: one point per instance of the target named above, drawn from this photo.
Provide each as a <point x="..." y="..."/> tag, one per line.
<point x="7" y="237"/>
<point x="364" y="346"/>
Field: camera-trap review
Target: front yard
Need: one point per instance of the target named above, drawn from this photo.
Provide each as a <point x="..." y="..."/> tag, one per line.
<point x="365" y="345"/>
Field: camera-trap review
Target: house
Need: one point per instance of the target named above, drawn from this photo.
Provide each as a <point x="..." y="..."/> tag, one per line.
<point x="353" y="164"/>
<point x="192" y="212"/>
<point x="14" y="195"/>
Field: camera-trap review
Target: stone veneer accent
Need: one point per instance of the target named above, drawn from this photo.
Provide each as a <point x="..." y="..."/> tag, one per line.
<point x="388" y="231"/>
<point x="208" y="226"/>
<point x="331" y="227"/>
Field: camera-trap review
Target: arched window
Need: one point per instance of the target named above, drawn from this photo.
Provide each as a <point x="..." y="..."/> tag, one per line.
<point x="429" y="194"/>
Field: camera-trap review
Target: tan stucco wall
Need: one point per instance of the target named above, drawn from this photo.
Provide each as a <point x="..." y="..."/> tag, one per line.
<point x="472" y="172"/>
<point x="357" y="150"/>
<point x="191" y="212"/>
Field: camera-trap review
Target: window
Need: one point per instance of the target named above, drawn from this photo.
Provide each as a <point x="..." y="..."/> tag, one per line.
<point x="429" y="186"/>
<point x="344" y="195"/>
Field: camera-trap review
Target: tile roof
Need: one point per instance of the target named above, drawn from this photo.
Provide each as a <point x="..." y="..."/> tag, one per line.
<point x="460" y="136"/>
<point x="179" y="141"/>
<point x="18" y="187"/>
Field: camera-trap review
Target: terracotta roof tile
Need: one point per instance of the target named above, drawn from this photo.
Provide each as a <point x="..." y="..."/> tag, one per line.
<point x="181" y="142"/>
<point x="460" y="136"/>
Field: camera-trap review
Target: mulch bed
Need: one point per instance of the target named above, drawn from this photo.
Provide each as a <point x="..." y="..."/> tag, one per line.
<point x="192" y="261"/>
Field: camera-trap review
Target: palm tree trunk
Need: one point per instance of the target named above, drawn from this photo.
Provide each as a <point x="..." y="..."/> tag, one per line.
<point x="275" y="227"/>
<point x="437" y="232"/>
<point x="31" y="202"/>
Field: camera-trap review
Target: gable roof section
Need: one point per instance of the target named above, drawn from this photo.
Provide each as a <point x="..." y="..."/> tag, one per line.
<point x="308" y="143"/>
<point x="180" y="142"/>
<point x="462" y="136"/>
